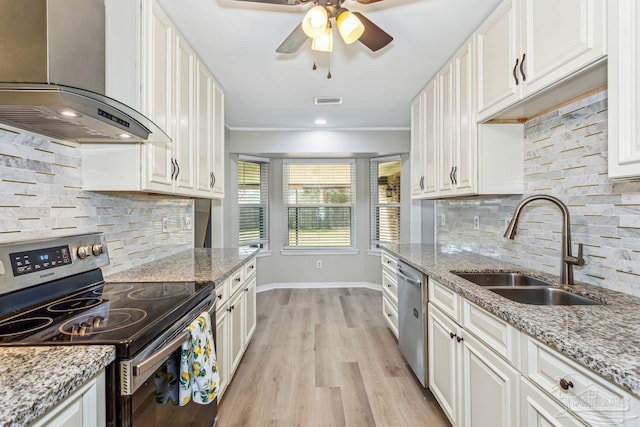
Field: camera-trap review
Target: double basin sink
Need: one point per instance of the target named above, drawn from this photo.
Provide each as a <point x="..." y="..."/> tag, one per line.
<point x="524" y="289"/>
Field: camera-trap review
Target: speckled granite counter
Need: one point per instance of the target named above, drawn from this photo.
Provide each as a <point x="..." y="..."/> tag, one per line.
<point x="200" y="265"/>
<point x="34" y="379"/>
<point x="604" y="338"/>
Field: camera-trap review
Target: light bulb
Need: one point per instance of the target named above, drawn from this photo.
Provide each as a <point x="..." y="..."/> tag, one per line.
<point x="324" y="42"/>
<point x="350" y="27"/>
<point x="315" y="21"/>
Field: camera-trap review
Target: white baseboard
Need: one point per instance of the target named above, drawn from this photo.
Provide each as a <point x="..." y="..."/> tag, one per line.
<point x="317" y="285"/>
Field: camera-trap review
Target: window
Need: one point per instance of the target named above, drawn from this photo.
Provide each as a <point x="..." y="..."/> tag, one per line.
<point x="319" y="199"/>
<point x="385" y="200"/>
<point x="253" y="202"/>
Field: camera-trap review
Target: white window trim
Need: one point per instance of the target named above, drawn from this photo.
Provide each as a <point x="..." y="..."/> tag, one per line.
<point x="373" y="248"/>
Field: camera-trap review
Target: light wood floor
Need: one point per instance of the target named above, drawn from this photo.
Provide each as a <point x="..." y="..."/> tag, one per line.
<point x="324" y="357"/>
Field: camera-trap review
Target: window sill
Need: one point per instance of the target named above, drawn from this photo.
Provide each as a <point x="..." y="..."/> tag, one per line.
<point x="296" y="252"/>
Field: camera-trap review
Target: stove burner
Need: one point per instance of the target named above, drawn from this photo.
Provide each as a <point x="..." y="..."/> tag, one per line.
<point x="165" y="290"/>
<point x="113" y="289"/>
<point x="22" y="326"/>
<point x="117" y="318"/>
<point x="73" y="304"/>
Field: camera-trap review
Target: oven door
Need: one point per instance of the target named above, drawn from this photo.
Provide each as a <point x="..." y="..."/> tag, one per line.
<point x="137" y="396"/>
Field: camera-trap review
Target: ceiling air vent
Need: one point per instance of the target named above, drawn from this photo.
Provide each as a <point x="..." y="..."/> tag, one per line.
<point x="327" y="100"/>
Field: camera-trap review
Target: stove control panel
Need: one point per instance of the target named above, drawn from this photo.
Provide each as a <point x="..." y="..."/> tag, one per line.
<point x="29" y="263"/>
<point x="40" y="259"/>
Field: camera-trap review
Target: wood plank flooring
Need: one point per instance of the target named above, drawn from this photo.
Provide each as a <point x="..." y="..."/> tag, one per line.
<point x="324" y="357"/>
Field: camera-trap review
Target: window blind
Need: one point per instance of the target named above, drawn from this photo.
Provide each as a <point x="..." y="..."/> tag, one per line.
<point x="319" y="199"/>
<point x="253" y="203"/>
<point x="385" y="200"/>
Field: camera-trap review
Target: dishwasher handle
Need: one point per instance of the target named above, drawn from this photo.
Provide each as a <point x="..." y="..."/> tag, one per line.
<point x="408" y="279"/>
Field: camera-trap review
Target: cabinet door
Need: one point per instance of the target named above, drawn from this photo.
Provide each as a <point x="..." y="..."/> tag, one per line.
<point x="490" y="387"/>
<point x="538" y="409"/>
<point x="497" y="52"/>
<point x="223" y="352"/>
<point x="430" y="133"/>
<point x="623" y="66"/>
<point x="218" y="143"/>
<point x="158" y="40"/>
<point x="184" y="89"/>
<point x="559" y="38"/>
<point x="417" y="138"/>
<point x="464" y="174"/>
<point x="444" y="362"/>
<point x="447" y="136"/>
<point x="249" y="309"/>
<point x="236" y="329"/>
<point x="204" y="130"/>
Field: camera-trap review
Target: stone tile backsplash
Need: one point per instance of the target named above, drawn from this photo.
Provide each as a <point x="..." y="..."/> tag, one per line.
<point x="565" y="156"/>
<point x="41" y="196"/>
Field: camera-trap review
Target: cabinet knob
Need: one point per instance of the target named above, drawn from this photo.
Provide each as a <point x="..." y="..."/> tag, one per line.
<point x="238" y="279"/>
<point x="452" y="335"/>
<point x="220" y="296"/>
<point x="389" y="314"/>
<point x="565" y="385"/>
<point x="246" y="289"/>
<point x="459" y="339"/>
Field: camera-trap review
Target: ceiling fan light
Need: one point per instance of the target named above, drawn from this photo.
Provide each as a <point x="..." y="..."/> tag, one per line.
<point x="349" y="26"/>
<point x="324" y="42"/>
<point x="315" y="21"/>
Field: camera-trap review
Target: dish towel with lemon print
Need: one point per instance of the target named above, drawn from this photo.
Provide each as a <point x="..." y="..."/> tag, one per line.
<point x="195" y="376"/>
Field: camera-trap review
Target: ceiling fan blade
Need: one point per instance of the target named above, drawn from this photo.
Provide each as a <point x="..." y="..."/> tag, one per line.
<point x="284" y="2"/>
<point x="294" y="41"/>
<point x="374" y="37"/>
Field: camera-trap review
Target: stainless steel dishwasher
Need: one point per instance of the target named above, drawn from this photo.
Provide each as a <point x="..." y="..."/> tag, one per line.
<point x="412" y="333"/>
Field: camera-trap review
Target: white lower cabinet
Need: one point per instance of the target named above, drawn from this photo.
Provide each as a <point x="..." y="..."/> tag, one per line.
<point x="85" y="407"/>
<point x="483" y="371"/>
<point x="390" y="291"/>
<point x="235" y="320"/>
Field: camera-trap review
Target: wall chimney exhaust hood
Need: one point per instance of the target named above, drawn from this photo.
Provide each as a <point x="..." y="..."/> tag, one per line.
<point x="52" y="74"/>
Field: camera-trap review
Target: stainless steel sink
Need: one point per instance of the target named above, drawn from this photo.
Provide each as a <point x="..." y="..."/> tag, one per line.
<point x="543" y="296"/>
<point x="501" y="279"/>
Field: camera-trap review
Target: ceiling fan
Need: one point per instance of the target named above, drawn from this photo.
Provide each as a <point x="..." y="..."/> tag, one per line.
<point x="316" y="25"/>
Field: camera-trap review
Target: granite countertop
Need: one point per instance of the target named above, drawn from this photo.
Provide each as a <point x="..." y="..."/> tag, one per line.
<point x="192" y="265"/>
<point x="34" y="379"/>
<point x="603" y="338"/>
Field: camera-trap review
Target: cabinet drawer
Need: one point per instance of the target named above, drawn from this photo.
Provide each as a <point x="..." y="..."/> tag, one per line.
<point x="236" y="279"/>
<point x="445" y="299"/>
<point x="249" y="268"/>
<point x="390" y="314"/>
<point x="538" y="409"/>
<point x="390" y="286"/>
<point x="389" y="261"/>
<point x="593" y="399"/>
<point x="222" y="293"/>
<point x="496" y="333"/>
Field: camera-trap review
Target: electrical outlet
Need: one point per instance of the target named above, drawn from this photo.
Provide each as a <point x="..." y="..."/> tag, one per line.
<point x="319" y="263"/>
<point x="165" y="224"/>
<point x="476" y="222"/>
<point x="443" y="220"/>
<point x="187" y="223"/>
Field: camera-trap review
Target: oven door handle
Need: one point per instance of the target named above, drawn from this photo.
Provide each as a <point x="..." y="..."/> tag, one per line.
<point x="153" y="360"/>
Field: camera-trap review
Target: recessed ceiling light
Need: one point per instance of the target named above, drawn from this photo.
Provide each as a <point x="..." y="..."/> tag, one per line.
<point x="69" y="113"/>
<point x="321" y="122"/>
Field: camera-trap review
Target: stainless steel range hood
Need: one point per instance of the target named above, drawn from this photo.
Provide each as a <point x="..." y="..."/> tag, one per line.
<point x="52" y="74"/>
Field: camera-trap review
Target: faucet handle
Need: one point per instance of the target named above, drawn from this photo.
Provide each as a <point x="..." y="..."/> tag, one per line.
<point x="575" y="260"/>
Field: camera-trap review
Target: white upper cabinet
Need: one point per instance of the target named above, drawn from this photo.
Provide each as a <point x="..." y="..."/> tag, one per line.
<point x="424" y="140"/>
<point x="151" y="67"/>
<point x="526" y="46"/>
<point x="417" y="146"/>
<point x="624" y="95"/>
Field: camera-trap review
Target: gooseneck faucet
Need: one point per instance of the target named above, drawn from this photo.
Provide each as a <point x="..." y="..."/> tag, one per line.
<point x="568" y="261"/>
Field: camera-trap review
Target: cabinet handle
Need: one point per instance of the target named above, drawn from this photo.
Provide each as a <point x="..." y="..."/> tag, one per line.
<point x="524" y="77"/>
<point x="173" y="169"/>
<point x="210" y="179"/>
<point x="455" y="172"/>
<point x="177" y="170"/>
<point x="459" y="339"/>
<point x="565" y="385"/>
<point x="213" y="175"/>
<point x="451" y="175"/>
<point x="452" y="335"/>
<point x="515" y="69"/>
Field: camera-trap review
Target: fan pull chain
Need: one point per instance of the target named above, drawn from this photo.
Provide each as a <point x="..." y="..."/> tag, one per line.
<point x="314" y="66"/>
<point x="329" y="73"/>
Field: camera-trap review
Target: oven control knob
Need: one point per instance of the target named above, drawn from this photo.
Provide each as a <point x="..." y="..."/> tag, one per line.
<point x="97" y="249"/>
<point x="83" y="252"/>
<point x="97" y="322"/>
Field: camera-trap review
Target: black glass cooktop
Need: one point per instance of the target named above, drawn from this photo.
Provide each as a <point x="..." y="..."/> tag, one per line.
<point x="127" y="315"/>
